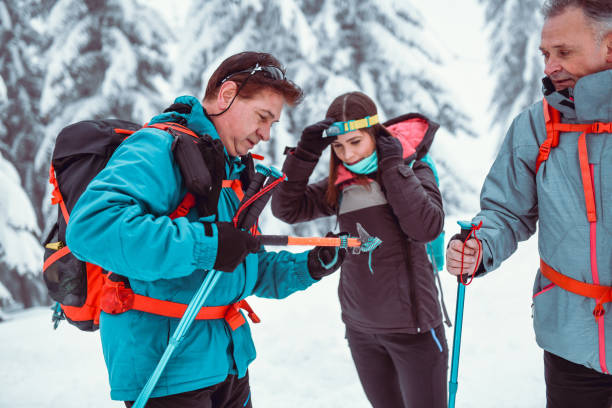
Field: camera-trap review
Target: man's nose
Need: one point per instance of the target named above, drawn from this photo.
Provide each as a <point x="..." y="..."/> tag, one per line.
<point x="552" y="66"/>
<point x="263" y="132"/>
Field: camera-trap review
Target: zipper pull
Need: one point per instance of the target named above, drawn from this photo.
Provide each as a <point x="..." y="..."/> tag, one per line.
<point x="56" y="246"/>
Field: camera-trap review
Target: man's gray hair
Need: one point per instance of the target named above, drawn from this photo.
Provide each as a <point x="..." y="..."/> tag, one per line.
<point x="599" y="11"/>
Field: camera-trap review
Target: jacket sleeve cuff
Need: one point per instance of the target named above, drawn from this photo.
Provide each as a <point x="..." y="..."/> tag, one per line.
<point x="205" y="249"/>
<point x="301" y="269"/>
<point x="298" y="169"/>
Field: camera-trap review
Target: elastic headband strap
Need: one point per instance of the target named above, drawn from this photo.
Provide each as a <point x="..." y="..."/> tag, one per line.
<point x="339" y="128"/>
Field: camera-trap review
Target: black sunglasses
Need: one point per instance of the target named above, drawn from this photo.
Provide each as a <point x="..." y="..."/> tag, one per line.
<point x="269" y="71"/>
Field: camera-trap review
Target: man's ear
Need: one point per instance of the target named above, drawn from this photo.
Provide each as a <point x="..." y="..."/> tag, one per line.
<point x="226" y="94"/>
<point x="608" y="42"/>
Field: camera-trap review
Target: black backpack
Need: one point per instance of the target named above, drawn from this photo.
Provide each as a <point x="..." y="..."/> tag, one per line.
<point x="81" y="151"/>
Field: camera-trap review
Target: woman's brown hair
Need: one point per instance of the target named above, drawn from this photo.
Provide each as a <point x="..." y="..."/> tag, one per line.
<point x="348" y="106"/>
<point x="232" y="67"/>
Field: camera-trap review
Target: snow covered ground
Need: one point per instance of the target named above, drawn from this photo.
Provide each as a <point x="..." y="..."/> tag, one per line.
<point x="303" y="359"/>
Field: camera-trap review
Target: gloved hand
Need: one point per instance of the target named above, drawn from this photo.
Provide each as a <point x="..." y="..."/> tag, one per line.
<point x="233" y="246"/>
<point x="312" y="139"/>
<point x="389" y="149"/>
<point x="323" y="261"/>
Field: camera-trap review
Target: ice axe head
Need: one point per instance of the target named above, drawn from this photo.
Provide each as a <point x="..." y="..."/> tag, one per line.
<point x="368" y="242"/>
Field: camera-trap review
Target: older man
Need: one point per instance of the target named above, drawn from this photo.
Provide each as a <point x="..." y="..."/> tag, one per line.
<point x="555" y="167"/>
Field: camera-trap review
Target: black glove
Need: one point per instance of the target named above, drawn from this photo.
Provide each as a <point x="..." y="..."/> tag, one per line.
<point x="233" y="246"/>
<point x="389" y="149"/>
<point x="312" y="139"/>
<point x="320" y="259"/>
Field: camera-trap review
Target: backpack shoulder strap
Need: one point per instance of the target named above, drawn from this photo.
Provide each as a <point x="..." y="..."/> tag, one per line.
<point x="551" y="118"/>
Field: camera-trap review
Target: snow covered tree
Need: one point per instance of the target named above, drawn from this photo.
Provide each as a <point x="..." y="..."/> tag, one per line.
<point x="328" y="47"/>
<point x="104" y="59"/>
<point x="21" y="74"/>
<point x="516" y="62"/>
<point x="20" y="250"/>
<point x="20" y="136"/>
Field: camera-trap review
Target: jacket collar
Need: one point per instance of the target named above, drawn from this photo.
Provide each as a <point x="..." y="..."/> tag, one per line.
<point x="588" y="101"/>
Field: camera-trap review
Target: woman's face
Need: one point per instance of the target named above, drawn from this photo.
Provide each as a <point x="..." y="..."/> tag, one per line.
<point x="353" y="146"/>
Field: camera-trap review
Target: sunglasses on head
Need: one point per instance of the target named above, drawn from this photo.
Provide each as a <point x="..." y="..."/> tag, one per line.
<point x="268" y="71"/>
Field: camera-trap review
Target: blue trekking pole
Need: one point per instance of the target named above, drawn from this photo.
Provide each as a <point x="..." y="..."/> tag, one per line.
<point x="466" y="231"/>
<point x="192" y="310"/>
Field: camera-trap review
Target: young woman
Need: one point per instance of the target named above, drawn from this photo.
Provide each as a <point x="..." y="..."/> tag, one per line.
<point x="388" y="298"/>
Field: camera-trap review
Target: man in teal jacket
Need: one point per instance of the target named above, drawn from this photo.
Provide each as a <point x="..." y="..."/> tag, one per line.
<point x="570" y="194"/>
<point x="121" y="223"/>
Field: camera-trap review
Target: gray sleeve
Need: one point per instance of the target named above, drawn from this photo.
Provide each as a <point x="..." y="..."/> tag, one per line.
<point x="508" y="199"/>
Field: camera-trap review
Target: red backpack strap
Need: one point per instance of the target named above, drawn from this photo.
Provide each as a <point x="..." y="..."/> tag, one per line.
<point x="183" y="208"/>
<point x="551" y="118"/>
<point x="166" y="126"/>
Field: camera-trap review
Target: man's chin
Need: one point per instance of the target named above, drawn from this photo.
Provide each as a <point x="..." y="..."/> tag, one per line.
<point x="561" y="85"/>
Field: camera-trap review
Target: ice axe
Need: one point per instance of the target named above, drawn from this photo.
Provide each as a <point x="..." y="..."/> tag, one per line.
<point x="365" y="242"/>
<point x="467" y="231"/>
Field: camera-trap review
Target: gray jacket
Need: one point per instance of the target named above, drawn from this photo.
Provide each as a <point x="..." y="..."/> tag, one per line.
<point x="514" y="198"/>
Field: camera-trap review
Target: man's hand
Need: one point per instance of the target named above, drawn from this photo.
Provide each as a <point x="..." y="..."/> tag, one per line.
<point x="470" y="252"/>
<point x="233" y="246"/>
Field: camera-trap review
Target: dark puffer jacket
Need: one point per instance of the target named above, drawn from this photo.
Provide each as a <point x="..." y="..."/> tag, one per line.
<point x="404" y="210"/>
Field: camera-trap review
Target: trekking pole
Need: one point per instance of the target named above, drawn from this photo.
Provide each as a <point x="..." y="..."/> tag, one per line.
<point x="467" y="230"/>
<point x="192" y="310"/>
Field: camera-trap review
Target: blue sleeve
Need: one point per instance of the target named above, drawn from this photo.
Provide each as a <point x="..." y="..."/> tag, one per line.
<point x="120" y="222"/>
<point x="282" y="273"/>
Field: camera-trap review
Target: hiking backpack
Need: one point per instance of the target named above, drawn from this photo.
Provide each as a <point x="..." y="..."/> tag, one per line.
<point x="81" y="151"/>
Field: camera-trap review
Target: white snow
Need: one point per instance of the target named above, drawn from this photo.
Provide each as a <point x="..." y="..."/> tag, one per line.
<point x="303" y="359"/>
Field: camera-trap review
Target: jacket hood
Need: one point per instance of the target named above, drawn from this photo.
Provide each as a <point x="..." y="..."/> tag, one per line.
<point x="414" y="131"/>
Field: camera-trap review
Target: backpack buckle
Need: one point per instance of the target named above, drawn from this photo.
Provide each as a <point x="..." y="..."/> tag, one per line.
<point x="116" y="298"/>
<point x="602" y="127"/>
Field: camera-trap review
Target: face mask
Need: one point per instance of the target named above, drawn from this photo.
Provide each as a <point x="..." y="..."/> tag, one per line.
<point x="364" y="166"/>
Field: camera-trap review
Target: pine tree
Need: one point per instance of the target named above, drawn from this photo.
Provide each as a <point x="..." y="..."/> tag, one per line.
<point x="20" y="250"/>
<point x="514" y="32"/>
<point x="104" y="60"/>
<point x="20" y="135"/>
<point x="329" y="47"/>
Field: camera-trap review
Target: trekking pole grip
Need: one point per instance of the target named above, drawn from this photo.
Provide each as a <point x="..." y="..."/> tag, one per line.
<point x="467" y="231"/>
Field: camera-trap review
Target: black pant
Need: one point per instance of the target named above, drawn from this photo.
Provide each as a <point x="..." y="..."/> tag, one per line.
<point x="231" y="393"/>
<point x="401" y="370"/>
<point x="571" y="385"/>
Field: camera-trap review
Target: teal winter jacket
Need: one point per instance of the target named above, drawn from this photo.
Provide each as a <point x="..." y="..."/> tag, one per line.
<point x="120" y="223"/>
<point x="514" y="199"/>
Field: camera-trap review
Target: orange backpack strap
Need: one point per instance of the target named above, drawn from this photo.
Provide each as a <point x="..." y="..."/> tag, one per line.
<point x="551" y="118"/>
<point x="166" y="126"/>
<point x="183" y="208"/>
<point x="235" y="185"/>
<point x="601" y="294"/>
<point x="117" y="298"/>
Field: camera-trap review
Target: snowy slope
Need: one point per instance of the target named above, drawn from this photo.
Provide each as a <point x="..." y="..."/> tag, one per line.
<point x="303" y="360"/>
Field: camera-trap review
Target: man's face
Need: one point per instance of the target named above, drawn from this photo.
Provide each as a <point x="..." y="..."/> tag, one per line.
<point x="571" y="50"/>
<point x="248" y="121"/>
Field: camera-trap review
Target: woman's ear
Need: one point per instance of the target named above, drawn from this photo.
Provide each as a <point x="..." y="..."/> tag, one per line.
<point x="226" y="94"/>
